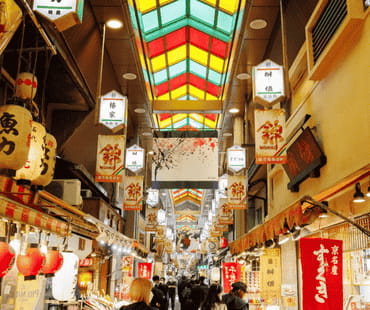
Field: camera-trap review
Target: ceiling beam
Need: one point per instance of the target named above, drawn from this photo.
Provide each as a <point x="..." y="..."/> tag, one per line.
<point x="187" y="106"/>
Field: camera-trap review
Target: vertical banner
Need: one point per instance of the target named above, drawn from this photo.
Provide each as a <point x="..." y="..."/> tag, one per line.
<point x="133" y="192"/>
<point x="237" y="192"/>
<point x="322" y="282"/>
<point x="30" y="294"/>
<point x="151" y="219"/>
<point x="225" y="213"/>
<point x="270" y="278"/>
<point x="270" y="136"/>
<point x="144" y="270"/>
<point x="230" y="274"/>
<point x="109" y="158"/>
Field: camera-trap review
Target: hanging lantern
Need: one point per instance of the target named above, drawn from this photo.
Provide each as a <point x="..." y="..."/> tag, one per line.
<point x="29" y="264"/>
<point x="6" y="257"/>
<point x="15" y="136"/>
<point x="26" y="85"/>
<point x="223" y="243"/>
<point x="53" y="262"/>
<point x="34" y="164"/>
<point x="48" y="162"/>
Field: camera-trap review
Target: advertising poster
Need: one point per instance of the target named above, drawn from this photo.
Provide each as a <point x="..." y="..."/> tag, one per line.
<point x="270" y="277"/>
<point x="230" y="274"/>
<point x="145" y="270"/>
<point x="133" y="192"/>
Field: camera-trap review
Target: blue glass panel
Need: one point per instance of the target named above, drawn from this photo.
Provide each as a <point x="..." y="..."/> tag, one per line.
<point x="183" y="98"/>
<point x="198" y="69"/>
<point x="173" y="11"/>
<point x="195" y="124"/>
<point x="181" y="123"/>
<point x="177" y="69"/>
<point x="225" y="22"/>
<point x="160" y="77"/>
<point x="192" y="98"/>
<point x="202" y="12"/>
<point x="133" y="17"/>
<point x="150" y="21"/>
<point x="214" y="77"/>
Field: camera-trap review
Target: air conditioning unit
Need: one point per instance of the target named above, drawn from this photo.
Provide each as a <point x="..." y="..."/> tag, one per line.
<point x="329" y="32"/>
<point x="68" y="190"/>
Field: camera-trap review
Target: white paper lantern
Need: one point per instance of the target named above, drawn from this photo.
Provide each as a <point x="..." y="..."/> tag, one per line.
<point x="34" y="165"/>
<point x="15" y="135"/>
<point x="26" y="85"/>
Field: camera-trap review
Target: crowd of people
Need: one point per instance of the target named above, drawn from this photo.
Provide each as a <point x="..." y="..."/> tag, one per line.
<point x="193" y="294"/>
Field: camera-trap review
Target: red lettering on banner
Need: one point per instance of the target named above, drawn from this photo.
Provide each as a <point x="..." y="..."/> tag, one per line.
<point x="49" y="223"/>
<point x="231" y="274"/>
<point x="25" y="216"/>
<point x="38" y="219"/>
<point x="10" y="209"/>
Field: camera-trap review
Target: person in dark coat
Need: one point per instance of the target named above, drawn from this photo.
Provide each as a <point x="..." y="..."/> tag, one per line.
<point x="234" y="299"/>
<point x="171" y="284"/>
<point x="159" y="299"/>
<point x="140" y="295"/>
<point x="180" y="287"/>
<point x="164" y="288"/>
<point x="198" y="293"/>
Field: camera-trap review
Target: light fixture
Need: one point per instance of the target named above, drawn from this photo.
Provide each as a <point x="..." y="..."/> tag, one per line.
<point x="258" y="24"/>
<point x="139" y="110"/>
<point x="129" y="76"/>
<point x="147" y="134"/>
<point x="368" y="192"/>
<point x="227" y="134"/>
<point x="358" y="196"/>
<point x="114" y="24"/>
<point x="150" y="152"/>
<point x="243" y="76"/>
<point x="234" y="110"/>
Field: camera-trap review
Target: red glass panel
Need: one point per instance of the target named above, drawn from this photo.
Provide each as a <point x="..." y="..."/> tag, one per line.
<point x="199" y="39"/>
<point x="164" y="116"/>
<point x="178" y="81"/>
<point x="156" y="47"/>
<point x="187" y="128"/>
<point x="213" y="89"/>
<point x="219" y="48"/>
<point x="162" y="88"/>
<point x="212" y="117"/>
<point x="176" y="38"/>
<point x="197" y="81"/>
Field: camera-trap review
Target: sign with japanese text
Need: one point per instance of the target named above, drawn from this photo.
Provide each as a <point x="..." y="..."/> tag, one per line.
<point x="225" y="213"/>
<point x="109" y="158"/>
<point x="127" y="265"/>
<point x="270" y="277"/>
<point x="270" y="136"/>
<point x="230" y="274"/>
<point x="268" y="83"/>
<point x="151" y="219"/>
<point x="237" y="192"/>
<point x="134" y="158"/>
<point x="112" y="110"/>
<point x="64" y="13"/>
<point x="236" y="158"/>
<point x="133" y="192"/>
<point x="305" y="158"/>
<point x="322" y="282"/>
<point x="153" y="197"/>
<point x="30" y="294"/>
<point x="145" y="270"/>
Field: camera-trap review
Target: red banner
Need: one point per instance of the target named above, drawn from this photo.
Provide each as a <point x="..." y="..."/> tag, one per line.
<point x="145" y="270"/>
<point x="322" y="281"/>
<point x="230" y="274"/>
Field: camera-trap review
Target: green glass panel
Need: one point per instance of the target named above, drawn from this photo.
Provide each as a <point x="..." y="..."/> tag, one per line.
<point x="133" y="17"/>
<point x="177" y="69"/>
<point x="210" y="31"/>
<point x="202" y="12"/>
<point x="160" y="77"/>
<point x="173" y="11"/>
<point x="165" y="30"/>
<point x="150" y="21"/>
<point x="225" y="22"/>
<point x="198" y="69"/>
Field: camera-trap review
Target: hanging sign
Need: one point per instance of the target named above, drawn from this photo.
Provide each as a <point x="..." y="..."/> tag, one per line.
<point x="322" y="281"/>
<point x="225" y="213"/>
<point x="270" y="278"/>
<point x="133" y="192"/>
<point x="268" y="83"/>
<point x="109" y="158"/>
<point x="30" y="294"/>
<point x="230" y="274"/>
<point x="112" y="110"/>
<point x="134" y="158"/>
<point x="151" y="219"/>
<point x="270" y="136"/>
<point x="128" y="265"/>
<point x="64" y="14"/>
<point x="145" y="270"/>
<point x="153" y="197"/>
<point x="237" y="192"/>
<point x="236" y="158"/>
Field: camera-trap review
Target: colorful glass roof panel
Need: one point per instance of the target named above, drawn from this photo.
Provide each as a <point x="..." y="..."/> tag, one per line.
<point x="192" y="121"/>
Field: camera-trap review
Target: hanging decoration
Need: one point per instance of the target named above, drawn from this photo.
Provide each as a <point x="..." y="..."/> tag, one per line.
<point x="152" y="197"/>
<point x="135" y="158"/>
<point x="270" y="136"/>
<point x="30" y="261"/>
<point x="53" y="262"/>
<point x="237" y="192"/>
<point x="151" y="219"/>
<point x="6" y="257"/>
<point x="112" y="110"/>
<point x="26" y="86"/>
<point x="109" y="158"/>
<point x="225" y="213"/>
<point x="10" y="18"/>
<point x="133" y="192"/>
<point x="230" y="274"/>
<point x="236" y="158"/>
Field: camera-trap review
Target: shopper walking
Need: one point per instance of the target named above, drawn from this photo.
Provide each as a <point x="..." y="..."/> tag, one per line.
<point x="180" y="287"/>
<point x="164" y="288"/>
<point x="171" y="284"/>
<point x="198" y="293"/>
<point x="139" y="293"/>
<point x="213" y="299"/>
<point x="159" y="299"/>
<point x="234" y="299"/>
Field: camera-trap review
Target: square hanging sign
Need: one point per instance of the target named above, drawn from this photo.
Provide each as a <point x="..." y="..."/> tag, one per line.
<point x="112" y="111"/>
<point x="153" y="197"/>
<point x="236" y="158"/>
<point x="134" y="158"/>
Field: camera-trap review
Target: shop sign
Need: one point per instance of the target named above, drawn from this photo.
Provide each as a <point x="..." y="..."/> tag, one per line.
<point x="305" y="158"/>
<point x="237" y="192"/>
<point x="236" y="158"/>
<point x="268" y="83"/>
<point x="112" y="110"/>
<point x="225" y="216"/>
<point x="109" y="158"/>
<point x="127" y="266"/>
<point x="86" y="262"/>
<point x="270" y="278"/>
<point x="30" y="294"/>
<point x="133" y="192"/>
<point x="64" y="14"/>
<point x="135" y="158"/>
<point x="270" y="136"/>
<point x="153" y="197"/>
<point x="151" y="219"/>
<point x="145" y="270"/>
<point x="322" y="281"/>
<point x="230" y="274"/>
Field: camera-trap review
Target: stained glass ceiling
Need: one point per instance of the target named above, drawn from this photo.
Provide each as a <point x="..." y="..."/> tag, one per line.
<point x="185" y="46"/>
<point x="187" y="121"/>
<point x="183" y="194"/>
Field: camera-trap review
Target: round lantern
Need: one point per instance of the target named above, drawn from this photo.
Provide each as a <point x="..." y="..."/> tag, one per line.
<point x="29" y="264"/>
<point x="26" y="85"/>
<point x="15" y="135"/>
<point x="34" y="164"/>
<point x="6" y="257"/>
<point x="47" y="172"/>
<point x="223" y="243"/>
<point x="53" y="262"/>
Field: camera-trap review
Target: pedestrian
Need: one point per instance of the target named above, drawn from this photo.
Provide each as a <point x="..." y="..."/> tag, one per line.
<point x="139" y="293"/>
<point x="234" y="299"/>
<point x="186" y="301"/>
<point x="180" y="287"/>
<point x="164" y="288"/>
<point x="159" y="299"/>
<point x="213" y="299"/>
<point x="198" y="293"/>
<point x="171" y="283"/>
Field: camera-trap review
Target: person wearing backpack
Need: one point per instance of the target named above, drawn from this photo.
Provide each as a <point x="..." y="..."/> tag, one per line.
<point x="234" y="299"/>
<point x="159" y="299"/>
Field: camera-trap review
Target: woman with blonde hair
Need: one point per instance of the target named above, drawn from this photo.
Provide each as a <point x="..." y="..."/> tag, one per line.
<point x="139" y="292"/>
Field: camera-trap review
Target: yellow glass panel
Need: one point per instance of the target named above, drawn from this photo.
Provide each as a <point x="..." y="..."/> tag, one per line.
<point x="179" y="92"/>
<point x="176" y="55"/>
<point x="197" y="117"/>
<point x="165" y="96"/>
<point x="211" y="2"/>
<point x="158" y="63"/>
<point x="196" y="92"/>
<point x="229" y="5"/>
<point x="198" y="55"/>
<point x="210" y="123"/>
<point x="216" y="63"/>
<point x="179" y="117"/>
<point x="163" y="2"/>
<point x="211" y="97"/>
<point x="145" y="5"/>
<point x="168" y="122"/>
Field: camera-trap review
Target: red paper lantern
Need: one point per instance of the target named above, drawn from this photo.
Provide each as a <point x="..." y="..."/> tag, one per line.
<point x="53" y="262"/>
<point x="223" y="243"/>
<point x="6" y="257"/>
<point x="30" y="264"/>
